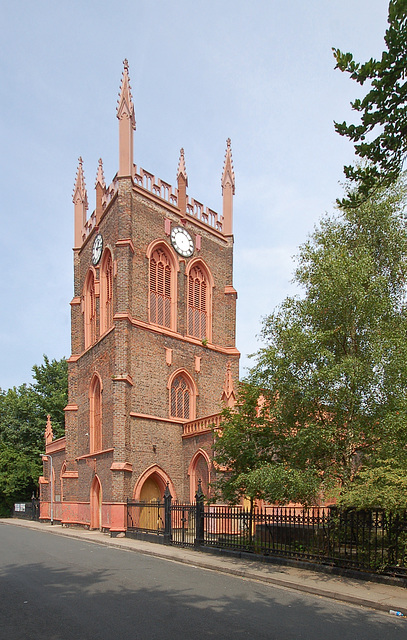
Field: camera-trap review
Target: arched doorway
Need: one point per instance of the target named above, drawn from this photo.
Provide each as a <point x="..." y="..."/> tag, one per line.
<point x="150" y="490"/>
<point x="152" y="516"/>
<point x="96" y="504"/>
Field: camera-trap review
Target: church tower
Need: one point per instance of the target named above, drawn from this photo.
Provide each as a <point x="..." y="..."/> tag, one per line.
<point x="153" y="339"/>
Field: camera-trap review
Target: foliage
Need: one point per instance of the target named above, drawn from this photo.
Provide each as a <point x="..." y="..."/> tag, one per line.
<point x="335" y="361"/>
<point x="23" y="416"/>
<point x="383" y="110"/>
<point x="383" y="485"/>
<point x="249" y="450"/>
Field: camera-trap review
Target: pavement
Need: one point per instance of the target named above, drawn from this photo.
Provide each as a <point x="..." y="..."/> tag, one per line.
<point x="374" y="595"/>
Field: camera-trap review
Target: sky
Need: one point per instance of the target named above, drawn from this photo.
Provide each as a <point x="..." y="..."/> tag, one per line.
<point x="260" y="72"/>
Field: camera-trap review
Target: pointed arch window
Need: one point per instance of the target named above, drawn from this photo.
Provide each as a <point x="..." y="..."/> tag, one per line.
<point x="90" y="310"/>
<point x="106" y="293"/>
<point x="161" y="289"/>
<point x="95" y="415"/>
<point x="199" y="469"/>
<point x="183" y="393"/>
<point x="199" y="314"/>
<point x="180" y="401"/>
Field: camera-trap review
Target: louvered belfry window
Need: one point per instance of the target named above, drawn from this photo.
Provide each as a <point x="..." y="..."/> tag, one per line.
<point x="197" y="303"/>
<point x="180" y="398"/>
<point x="90" y="311"/>
<point x="160" y="289"/>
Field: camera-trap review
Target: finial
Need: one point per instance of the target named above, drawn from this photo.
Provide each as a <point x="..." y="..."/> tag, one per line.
<point x="228" y="176"/>
<point x="100" y="178"/>
<point x="79" y="192"/>
<point x="125" y="102"/>
<point x="181" y="167"/>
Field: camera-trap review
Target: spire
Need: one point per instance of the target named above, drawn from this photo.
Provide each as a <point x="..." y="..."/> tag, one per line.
<point x="127" y="124"/>
<point x="100" y="187"/>
<point x="228" y="190"/>
<point x="80" y="200"/>
<point x="182" y="180"/>
<point x="228" y="395"/>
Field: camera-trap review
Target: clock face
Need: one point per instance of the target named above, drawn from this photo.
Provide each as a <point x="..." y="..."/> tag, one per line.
<point x="182" y="242"/>
<point x="97" y="249"/>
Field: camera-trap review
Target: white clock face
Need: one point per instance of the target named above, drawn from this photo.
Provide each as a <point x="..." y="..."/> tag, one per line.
<point x="182" y="242"/>
<point x="97" y="249"/>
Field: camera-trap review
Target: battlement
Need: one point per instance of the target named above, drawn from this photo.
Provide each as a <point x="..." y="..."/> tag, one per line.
<point x="161" y="189"/>
<point x="165" y="191"/>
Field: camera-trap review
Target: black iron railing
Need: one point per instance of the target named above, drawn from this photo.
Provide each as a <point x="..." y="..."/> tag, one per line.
<point x="373" y="541"/>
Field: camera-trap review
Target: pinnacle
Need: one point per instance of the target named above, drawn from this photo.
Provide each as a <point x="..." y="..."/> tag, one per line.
<point x="125" y="102"/>
<point x="181" y="166"/>
<point x="228" y="175"/>
<point x="79" y="192"/>
<point x="100" y="178"/>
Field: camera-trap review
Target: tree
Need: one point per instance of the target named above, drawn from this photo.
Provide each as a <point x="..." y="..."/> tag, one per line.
<point x="23" y="416"/>
<point x="335" y="360"/>
<point x="248" y="449"/>
<point x="383" y="111"/>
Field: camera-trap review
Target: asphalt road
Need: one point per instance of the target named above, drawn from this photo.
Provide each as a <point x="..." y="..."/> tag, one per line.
<point x="58" y="588"/>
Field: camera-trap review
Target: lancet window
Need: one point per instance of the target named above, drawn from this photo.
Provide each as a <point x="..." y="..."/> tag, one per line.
<point x="95" y="415"/>
<point x="161" y="275"/>
<point x="106" y="292"/>
<point x="90" y="310"/>
<point x="181" y="398"/>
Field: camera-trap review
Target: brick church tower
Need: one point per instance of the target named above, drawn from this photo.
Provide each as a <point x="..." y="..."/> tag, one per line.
<point x="153" y="341"/>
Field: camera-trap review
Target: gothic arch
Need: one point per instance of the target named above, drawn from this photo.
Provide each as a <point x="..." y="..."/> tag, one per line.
<point x="182" y="395"/>
<point x="199" y="469"/>
<point x="156" y="474"/>
<point x="95" y="413"/>
<point x="200" y="284"/>
<point x="96" y="504"/>
<point x="89" y="308"/>
<point x="162" y="285"/>
<point x="106" y="291"/>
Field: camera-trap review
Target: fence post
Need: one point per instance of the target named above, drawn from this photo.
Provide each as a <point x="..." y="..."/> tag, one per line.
<point x="199" y="516"/>
<point x="167" y="515"/>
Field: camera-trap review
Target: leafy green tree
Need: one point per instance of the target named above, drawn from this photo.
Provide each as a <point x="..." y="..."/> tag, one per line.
<point x="248" y="450"/>
<point x="50" y="387"/>
<point x="23" y="416"/>
<point x="383" y="110"/>
<point x="335" y="360"/>
<point x="383" y="484"/>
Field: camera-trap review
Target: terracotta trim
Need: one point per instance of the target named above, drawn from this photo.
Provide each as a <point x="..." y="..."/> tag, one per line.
<point x="145" y="416"/>
<point x="56" y="445"/>
<point x="127" y="378"/>
<point x="151" y="470"/>
<point x="126" y="242"/>
<point x="70" y="474"/>
<point x="186" y="216"/>
<point x="95" y="454"/>
<point x="230" y="289"/>
<point x="196" y="434"/>
<point x="75" y="301"/>
<point x="122" y="466"/>
<point x="71" y="407"/>
<point x="173" y="334"/>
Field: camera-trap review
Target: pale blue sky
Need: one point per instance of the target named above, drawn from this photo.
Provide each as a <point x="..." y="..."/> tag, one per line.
<point x="259" y="72"/>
